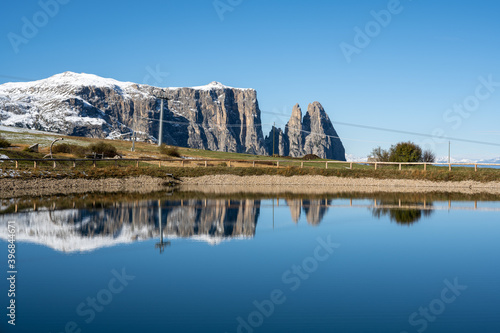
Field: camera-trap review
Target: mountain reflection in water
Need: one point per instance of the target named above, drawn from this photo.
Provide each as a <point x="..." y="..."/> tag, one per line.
<point x="85" y="223"/>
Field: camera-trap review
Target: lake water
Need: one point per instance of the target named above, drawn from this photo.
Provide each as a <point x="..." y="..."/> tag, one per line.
<point x="254" y="263"/>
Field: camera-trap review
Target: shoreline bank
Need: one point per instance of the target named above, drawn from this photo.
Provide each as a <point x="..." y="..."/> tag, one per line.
<point x="236" y="184"/>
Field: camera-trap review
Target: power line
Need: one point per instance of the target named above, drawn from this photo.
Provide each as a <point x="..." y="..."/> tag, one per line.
<point x="257" y="125"/>
<point x="416" y="133"/>
<point x="402" y="132"/>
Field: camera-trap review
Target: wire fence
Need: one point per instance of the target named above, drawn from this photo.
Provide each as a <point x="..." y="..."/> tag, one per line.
<point x="180" y="162"/>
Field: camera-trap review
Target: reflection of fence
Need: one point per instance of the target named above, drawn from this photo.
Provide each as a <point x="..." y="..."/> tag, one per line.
<point x="232" y="163"/>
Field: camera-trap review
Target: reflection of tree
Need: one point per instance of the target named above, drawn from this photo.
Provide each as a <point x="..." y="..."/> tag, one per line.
<point x="402" y="215"/>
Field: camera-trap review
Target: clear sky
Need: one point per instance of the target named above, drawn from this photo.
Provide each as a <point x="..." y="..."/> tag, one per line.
<point x="424" y="66"/>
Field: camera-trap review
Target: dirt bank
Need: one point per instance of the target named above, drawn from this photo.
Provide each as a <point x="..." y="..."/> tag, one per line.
<point x="10" y="188"/>
<point x="233" y="184"/>
<point x="321" y="184"/>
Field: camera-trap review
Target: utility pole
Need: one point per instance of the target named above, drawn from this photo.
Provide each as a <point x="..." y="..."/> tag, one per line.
<point x="449" y="152"/>
<point x="161" y="245"/>
<point x="160" y="134"/>
<point x="133" y="134"/>
<point x="274" y="126"/>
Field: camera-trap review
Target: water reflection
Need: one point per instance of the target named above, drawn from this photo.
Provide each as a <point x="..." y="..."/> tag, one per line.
<point x="89" y="222"/>
<point x="404" y="213"/>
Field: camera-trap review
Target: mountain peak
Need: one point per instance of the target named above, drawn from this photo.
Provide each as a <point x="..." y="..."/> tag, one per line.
<point x="215" y="85"/>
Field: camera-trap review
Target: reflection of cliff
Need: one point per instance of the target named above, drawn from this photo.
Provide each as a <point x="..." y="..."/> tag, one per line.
<point x="315" y="210"/>
<point x="295" y="206"/>
<point x="217" y="218"/>
<point x="72" y="230"/>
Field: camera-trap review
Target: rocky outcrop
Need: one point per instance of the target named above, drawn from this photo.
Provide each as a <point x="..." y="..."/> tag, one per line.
<point x="313" y="134"/>
<point x="294" y="133"/>
<point x="280" y="142"/>
<point x="320" y="137"/>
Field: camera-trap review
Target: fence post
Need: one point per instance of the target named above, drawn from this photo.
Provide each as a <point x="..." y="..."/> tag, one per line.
<point x="277" y="164"/>
<point x="229" y="163"/>
<point x="425" y="166"/>
<point x="301" y="165"/>
<point x="399" y="166"/>
<point x="74" y="164"/>
<point x="206" y="164"/>
<point x="94" y="163"/>
<point x="17" y="164"/>
<point x="137" y="163"/>
<point x="54" y="164"/>
<point x="475" y="167"/>
<point x="253" y="164"/>
<point x="449" y="169"/>
<point x="34" y="164"/>
<point x="375" y="165"/>
<point x="182" y="163"/>
<point x="326" y="167"/>
<point x="350" y="165"/>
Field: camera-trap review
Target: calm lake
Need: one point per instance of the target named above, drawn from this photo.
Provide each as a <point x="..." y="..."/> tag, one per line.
<point x="194" y="262"/>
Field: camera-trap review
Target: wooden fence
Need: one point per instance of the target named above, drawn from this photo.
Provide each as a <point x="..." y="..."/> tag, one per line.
<point x="230" y="163"/>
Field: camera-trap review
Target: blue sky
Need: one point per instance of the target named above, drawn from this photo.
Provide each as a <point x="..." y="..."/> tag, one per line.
<point x="424" y="59"/>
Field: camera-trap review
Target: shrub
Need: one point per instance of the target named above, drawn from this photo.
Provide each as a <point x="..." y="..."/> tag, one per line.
<point x="169" y="151"/>
<point x="310" y="157"/>
<point x="4" y="143"/>
<point x="66" y="148"/>
<point x="107" y="149"/>
<point x="380" y="155"/>
<point x="405" y="152"/>
<point x="428" y="156"/>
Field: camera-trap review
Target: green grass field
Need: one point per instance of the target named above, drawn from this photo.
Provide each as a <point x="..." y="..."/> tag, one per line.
<point x="241" y="164"/>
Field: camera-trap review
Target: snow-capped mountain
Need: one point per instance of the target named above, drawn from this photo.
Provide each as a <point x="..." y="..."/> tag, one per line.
<point x="213" y="117"/>
<point x="354" y="158"/>
<point x="89" y="105"/>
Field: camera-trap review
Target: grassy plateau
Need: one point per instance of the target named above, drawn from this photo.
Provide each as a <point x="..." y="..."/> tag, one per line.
<point x="188" y="165"/>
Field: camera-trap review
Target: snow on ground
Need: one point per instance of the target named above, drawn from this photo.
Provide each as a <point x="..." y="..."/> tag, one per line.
<point x="211" y="86"/>
<point x="22" y="130"/>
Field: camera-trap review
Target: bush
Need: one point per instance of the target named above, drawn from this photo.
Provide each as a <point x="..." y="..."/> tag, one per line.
<point x="380" y="155"/>
<point x="310" y="157"/>
<point x="63" y="148"/>
<point x="169" y="151"/>
<point x="107" y="149"/>
<point x="428" y="156"/>
<point x="4" y="143"/>
<point x="403" y="152"/>
<point x="66" y="148"/>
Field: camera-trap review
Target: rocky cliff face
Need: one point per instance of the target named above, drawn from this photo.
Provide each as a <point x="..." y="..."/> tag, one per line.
<point x="320" y="137"/>
<point x="213" y="117"/>
<point x="294" y="133"/>
<point x="313" y="134"/>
